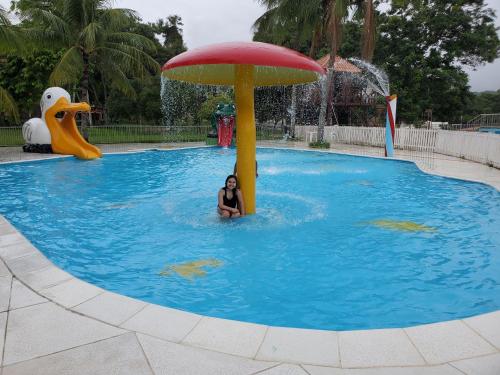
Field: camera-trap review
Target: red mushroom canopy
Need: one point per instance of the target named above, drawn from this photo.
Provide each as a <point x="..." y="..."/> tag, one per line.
<point x="215" y="64"/>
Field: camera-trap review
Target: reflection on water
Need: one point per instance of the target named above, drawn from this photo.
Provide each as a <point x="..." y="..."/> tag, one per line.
<point x="406" y="226"/>
<point x="191" y="269"/>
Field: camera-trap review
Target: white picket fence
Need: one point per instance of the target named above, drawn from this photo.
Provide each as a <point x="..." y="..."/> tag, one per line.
<point x="480" y="147"/>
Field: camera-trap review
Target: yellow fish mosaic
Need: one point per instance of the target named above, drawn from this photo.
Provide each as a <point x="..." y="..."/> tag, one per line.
<point x="405" y="226"/>
<point x="192" y="269"/>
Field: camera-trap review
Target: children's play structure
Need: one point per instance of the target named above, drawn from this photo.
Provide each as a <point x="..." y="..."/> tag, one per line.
<point x="244" y="65"/>
<point x="223" y="124"/>
<point x="390" y="125"/>
<point x="56" y="130"/>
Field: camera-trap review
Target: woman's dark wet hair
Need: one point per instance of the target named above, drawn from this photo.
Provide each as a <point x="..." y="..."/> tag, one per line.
<point x="227" y="179"/>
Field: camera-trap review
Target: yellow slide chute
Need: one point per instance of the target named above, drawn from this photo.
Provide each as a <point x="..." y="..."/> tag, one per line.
<point x="65" y="137"/>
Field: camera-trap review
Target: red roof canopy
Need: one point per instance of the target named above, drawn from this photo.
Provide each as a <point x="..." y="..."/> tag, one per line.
<point x="214" y="64"/>
<point x="340" y="65"/>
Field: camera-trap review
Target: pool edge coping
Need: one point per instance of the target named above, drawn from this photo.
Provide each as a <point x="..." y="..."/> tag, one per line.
<point x="421" y="345"/>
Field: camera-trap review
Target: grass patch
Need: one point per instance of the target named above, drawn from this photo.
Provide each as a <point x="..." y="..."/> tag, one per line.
<point x="11" y="136"/>
<point x="145" y="134"/>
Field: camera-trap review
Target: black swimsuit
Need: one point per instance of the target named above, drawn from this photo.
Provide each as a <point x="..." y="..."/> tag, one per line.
<point x="233" y="202"/>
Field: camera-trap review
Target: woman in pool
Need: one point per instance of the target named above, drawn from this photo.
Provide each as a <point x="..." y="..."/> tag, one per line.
<point x="230" y="199"/>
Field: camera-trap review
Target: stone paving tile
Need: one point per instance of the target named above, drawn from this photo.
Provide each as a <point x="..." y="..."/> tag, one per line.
<point x="173" y="359"/>
<point x="118" y="355"/>
<point x="3" y="269"/>
<point x="488" y="326"/>
<point x="21" y="296"/>
<point x="162" y="322"/>
<point x="111" y="308"/>
<point x="71" y="293"/>
<point x="227" y="336"/>
<point x="28" y="263"/>
<point x="377" y="348"/>
<point x="11" y="239"/>
<point x="429" y="370"/>
<point x="45" y="278"/>
<point x="6" y="227"/>
<point x="3" y="322"/>
<point x="17" y="250"/>
<point x="300" y="346"/>
<point x="448" y="341"/>
<point x="43" y="329"/>
<point x="488" y="365"/>
<point x="285" y="369"/>
<point x="5" y="286"/>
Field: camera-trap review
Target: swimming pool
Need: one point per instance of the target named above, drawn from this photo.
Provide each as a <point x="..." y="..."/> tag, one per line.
<point x="338" y="242"/>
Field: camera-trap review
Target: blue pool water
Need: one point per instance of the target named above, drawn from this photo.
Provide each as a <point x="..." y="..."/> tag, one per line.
<point x="490" y="130"/>
<point x="326" y="250"/>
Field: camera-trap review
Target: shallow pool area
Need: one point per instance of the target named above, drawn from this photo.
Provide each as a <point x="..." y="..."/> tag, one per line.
<point x="338" y="242"/>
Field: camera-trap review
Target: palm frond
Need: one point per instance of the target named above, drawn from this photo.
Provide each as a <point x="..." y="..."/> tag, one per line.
<point x="134" y="40"/>
<point x="54" y="27"/>
<point x="11" y="39"/>
<point x="118" y="18"/>
<point x="11" y="36"/>
<point x="68" y="69"/>
<point x="136" y="59"/>
<point x="89" y="35"/>
<point x="4" y="19"/>
<point x="75" y="12"/>
<point x="8" y="105"/>
<point x="119" y="80"/>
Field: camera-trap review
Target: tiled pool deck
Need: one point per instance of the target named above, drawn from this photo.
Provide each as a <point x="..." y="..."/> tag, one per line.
<point x="53" y="323"/>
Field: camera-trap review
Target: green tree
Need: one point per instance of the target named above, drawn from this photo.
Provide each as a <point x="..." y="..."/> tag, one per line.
<point x="210" y="105"/>
<point x="96" y="38"/>
<point x="421" y="46"/>
<point x="10" y="40"/>
<point x="146" y="107"/>
<point x="483" y="102"/>
<point x="170" y="30"/>
<point x="26" y="77"/>
<point x="317" y="20"/>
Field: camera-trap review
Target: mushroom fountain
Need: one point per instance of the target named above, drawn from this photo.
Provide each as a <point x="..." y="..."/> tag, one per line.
<point x="244" y="65"/>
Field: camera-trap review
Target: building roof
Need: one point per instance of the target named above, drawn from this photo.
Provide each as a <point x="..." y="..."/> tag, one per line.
<point x="341" y="65"/>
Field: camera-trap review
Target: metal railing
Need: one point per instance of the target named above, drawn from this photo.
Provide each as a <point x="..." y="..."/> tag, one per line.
<point x="483" y="121"/>
<point x="11" y="136"/>
<point x="131" y="133"/>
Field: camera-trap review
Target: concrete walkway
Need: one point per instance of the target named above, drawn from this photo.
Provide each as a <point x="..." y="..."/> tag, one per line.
<point x="53" y="323"/>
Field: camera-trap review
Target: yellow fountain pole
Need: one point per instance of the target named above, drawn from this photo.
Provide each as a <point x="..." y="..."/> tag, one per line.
<point x="245" y="134"/>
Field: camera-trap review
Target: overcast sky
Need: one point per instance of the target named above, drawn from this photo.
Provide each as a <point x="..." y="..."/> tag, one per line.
<point x="207" y="22"/>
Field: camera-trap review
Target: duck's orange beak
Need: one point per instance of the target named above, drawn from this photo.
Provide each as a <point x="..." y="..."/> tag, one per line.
<point x="66" y="139"/>
<point x="62" y="105"/>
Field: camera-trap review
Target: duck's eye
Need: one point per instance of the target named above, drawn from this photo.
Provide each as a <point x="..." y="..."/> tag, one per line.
<point x="49" y="96"/>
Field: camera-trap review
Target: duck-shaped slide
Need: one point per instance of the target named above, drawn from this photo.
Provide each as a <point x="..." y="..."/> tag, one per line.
<point x="64" y="136"/>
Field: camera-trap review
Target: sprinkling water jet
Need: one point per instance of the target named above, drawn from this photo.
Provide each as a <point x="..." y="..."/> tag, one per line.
<point x="378" y="81"/>
<point x="244" y="65"/>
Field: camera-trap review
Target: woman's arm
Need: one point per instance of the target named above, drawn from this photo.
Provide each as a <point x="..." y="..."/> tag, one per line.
<point x="241" y="205"/>
<point x="221" y="204"/>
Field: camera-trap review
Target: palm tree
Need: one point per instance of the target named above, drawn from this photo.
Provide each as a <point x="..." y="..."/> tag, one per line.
<point x="319" y="18"/>
<point x="279" y="19"/>
<point x="316" y="17"/>
<point x="9" y="41"/>
<point x="95" y="37"/>
<point x="336" y="12"/>
<point x="369" y="26"/>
